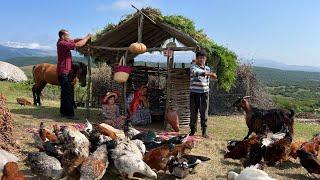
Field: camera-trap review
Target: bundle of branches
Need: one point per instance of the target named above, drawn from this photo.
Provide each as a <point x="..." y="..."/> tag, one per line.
<point x="246" y="85"/>
<point x="7" y="142"/>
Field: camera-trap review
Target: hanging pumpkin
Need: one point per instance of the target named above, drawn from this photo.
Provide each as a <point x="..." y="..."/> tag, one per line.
<point x="137" y="48"/>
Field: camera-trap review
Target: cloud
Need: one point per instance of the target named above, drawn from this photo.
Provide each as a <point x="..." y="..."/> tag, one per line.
<point x="32" y="45"/>
<point x="123" y="5"/>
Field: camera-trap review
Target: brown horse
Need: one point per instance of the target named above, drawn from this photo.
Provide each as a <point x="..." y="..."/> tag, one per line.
<point x="47" y="73"/>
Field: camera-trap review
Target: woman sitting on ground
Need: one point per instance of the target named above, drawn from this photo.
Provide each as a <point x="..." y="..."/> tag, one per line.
<point x="139" y="107"/>
<point x="111" y="112"/>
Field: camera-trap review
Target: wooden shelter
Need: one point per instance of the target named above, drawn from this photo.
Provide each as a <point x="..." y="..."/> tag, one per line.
<point x="113" y="44"/>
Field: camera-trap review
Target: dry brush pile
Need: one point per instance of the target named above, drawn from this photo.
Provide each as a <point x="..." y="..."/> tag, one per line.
<point x="7" y="142"/>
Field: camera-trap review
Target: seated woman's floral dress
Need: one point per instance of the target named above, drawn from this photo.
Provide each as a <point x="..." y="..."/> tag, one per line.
<point x="112" y="116"/>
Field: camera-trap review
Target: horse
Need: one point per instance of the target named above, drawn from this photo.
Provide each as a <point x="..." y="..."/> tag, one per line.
<point x="47" y="73"/>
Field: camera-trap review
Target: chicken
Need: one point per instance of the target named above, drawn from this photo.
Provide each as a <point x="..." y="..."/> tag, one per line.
<point x="140" y="145"/>
<point x="242" y="149"/>
<point x="130" y="146"/>
<point x="158" y="158"/>
<point x="127" y="164"/>
<point x="46" y="134"/>
<point x="309" y="161"/>
<point x="249" y="173"/>
<point x="75" y="141"/>
<point x="254" y="156"/>
<point x="128" y="130"/>
<point x="278" y="151"/>
<point x="179" y="167"/>
<point x="174" y="140"/>
<point x="94" y="167"/>
<point x="44" y="166"/>
<point x="52" y="149"/>
<point x="23" y="101"/>
<point x="294" y="147"/>
<point x="5" y="157"/>
<point x="146" y="137"/>
<point x="127" y="159"/>
<point x="11" y="172"/>
<point x="232" y="144"/>
<point x="105" y="131"/>
<point x="311" y="147"/>
<point x="172" y="118"/>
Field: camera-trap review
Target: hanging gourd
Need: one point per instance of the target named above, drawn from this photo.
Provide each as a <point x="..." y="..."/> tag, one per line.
<point x="137" y="48"/>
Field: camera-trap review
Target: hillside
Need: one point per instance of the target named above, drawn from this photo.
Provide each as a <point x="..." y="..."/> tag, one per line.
<point x="292" y="89"/>
<point x="27" y="61"/>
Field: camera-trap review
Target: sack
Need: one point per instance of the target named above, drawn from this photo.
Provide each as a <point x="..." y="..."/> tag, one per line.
<point x="121" y="71"/>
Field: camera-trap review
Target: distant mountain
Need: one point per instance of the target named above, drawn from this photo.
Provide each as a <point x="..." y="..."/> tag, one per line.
<point x="31" y="60"/>
<point x="10" y="52"/>
<point x="278" y="65"/>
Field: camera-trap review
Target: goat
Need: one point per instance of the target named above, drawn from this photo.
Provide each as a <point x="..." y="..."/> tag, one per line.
<point x="256" y="119"/>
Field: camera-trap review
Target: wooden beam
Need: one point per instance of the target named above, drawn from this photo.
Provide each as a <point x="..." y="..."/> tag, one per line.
<point x="144" y="14"/>
<point x="148" y="50"/>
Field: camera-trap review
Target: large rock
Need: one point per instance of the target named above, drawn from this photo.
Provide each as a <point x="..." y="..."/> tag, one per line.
<point x="11" y="73"/>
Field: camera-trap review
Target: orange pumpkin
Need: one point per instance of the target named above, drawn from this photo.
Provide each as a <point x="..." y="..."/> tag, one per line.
<point x="173" y="119"/>
<point x="137" y="48"/>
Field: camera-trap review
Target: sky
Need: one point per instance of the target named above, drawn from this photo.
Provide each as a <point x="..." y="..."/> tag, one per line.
<point x="287" y="31"/>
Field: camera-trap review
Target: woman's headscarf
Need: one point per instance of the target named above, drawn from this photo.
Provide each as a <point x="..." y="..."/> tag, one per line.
<point x="136" y="100"/>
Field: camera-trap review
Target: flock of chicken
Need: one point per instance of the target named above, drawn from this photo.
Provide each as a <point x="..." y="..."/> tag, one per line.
<point x="88" y="152"/>
<point x="270" y="148"/>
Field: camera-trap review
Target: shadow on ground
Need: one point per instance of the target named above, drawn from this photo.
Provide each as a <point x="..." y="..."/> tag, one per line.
<point x="47" y="112"/>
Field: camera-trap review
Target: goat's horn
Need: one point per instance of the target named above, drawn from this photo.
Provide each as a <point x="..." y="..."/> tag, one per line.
<point x="245" y="97"/>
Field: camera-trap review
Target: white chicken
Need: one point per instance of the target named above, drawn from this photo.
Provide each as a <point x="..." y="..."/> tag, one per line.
<point x="249" y="173"/>
<point x="127" y="163"/>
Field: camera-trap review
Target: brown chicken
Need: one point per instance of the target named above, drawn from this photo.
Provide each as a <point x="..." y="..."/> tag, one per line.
<point x="309" y="161"/>
<point x="23" y="101"/>
<point x="46" y="134"/>
<point x="11" y="172"/>
<point x="173" y="119"/>
<point x="105" y="131"/>
<point x="158" y="158"/>
<point x="295" y="146"/>
<point x="311" y="147"/>
<point x="242" y="148"/>
<point x="278" y="151"/>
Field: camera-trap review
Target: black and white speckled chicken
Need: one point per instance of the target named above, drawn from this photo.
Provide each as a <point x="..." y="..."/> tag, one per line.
<point x="181" y="166"/>
<point x="44" y="166"/>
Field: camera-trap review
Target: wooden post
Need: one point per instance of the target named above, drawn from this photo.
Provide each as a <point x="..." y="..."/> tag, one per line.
<point x="124" y="90"/>
<point x="168" y="87"/>
<point x="88" y="88"/>
<point x="140" y="28"/>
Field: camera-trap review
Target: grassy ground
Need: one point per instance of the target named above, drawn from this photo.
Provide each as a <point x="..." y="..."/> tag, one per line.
<point x="221" y="129"/>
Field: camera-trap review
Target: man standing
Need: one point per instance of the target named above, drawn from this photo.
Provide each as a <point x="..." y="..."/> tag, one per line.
<point x="64" y="46"/>
<point x="199" y="92"/>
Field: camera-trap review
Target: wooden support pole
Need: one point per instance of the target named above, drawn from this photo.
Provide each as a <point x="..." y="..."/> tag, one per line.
<point x="124" y="90"/>
<point x="140" y="28"/>
<point x="88" y="88"/>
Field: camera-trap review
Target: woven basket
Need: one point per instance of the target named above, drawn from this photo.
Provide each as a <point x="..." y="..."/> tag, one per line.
<point x="121" y="72"/>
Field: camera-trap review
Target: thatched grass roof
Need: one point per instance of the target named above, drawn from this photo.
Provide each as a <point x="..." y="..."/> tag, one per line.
<point x="220" y="58"/>
<point x="126" y="32"/>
